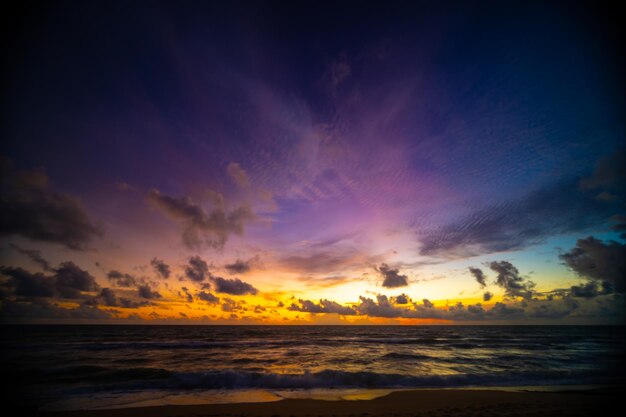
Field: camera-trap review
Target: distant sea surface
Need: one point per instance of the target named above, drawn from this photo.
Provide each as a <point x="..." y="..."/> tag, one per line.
<point x="113" y="366"/>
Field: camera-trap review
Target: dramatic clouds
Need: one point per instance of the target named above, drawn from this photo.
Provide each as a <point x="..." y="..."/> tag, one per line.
<point x="510" y="225"/>
<point x="197" y="270"/>
<point x="510" y="280"/>
<point x="392" y="277"/>
<point x="119" y="279"/>
<point x="479" y="276"/>
<point x="599" y="262"/>
<point x="108" y="298"/>
<point x="376" y="157"/>
<point x="161" y="268"/>
<point x="241" y="266"/>
<point x="208" y="297"/>
<point x="202" y="228"/>
<point x="233" y="286"/>
<point x="68" y="281"/>
<point x="29" y="208"/>
<point x="144" y="291"/>
<point x="324" y="306"/>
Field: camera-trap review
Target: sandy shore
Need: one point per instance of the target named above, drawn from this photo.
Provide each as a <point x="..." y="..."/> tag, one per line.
<point x="428" y="403"/>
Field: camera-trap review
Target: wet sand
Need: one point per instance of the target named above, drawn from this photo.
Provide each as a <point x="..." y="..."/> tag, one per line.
<point x="427" y="403"/>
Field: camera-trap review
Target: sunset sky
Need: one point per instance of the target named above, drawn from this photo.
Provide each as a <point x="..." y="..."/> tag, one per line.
<point x="253" y="162"/>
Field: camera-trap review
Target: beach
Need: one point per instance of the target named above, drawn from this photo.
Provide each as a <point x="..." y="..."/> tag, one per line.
<point x="423" y="402"/>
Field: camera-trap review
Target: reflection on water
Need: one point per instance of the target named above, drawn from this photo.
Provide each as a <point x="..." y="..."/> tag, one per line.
<point x="198" y="364"/>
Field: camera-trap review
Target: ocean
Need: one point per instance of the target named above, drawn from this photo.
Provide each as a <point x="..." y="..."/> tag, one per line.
<point x="93" y="366"/>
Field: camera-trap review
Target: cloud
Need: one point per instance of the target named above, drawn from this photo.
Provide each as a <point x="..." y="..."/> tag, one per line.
<point x="208" y="297"/>
<point x="68" y="281"/>
<point x="238" y="175"/>
<point x="187" y="294"/>
<point x="324" y="306"/>
<point x="233" y="286"/>
<point x="609" y="177"/>
<point x="556" y="209"/>
<point x="401" y="299"/>
<point x="597" y="261"/>
<point x="240" y="266"/>
<point x="197" y="270"/>
<point x="202" y="228"/>
<point x="318" y="262"/>
<point x="71" y="280"/>
<point x="511" y="281"/>
<point x="161" y="268"/>
<point x="121" y="280"/>
<point x="479" y="276"/>
<point x="29" y="208"/>
<point x="43" y="309"/>
<point x="34" y="256"/>
<point x="109" y="299"/>
<point x="144" y="291"/>
<point x="427" y="303"/>
<point x="588" y="290"/>
<point x="381" y="307"/>
<point x="26" y="284"/>
<point x="392" y="277"/>
<point x="487" y="296"/>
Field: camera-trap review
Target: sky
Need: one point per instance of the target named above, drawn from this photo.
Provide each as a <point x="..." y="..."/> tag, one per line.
<point x="312" y="163"/>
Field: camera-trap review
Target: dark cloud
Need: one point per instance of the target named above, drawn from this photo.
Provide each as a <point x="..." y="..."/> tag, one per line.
<point x="597" y="261"/>
<point x="144" y="291"/>
<point x="384" y="307"/>
<point x="487" y="296"/>
<point x="121" y="280"/>
<point x="233" y="286"/>
<point x="590" y="289"/>
<point x="392" y="277"/>
<point x="511" y="281"/>
<point x="557" y="209"/>
<point x="197" y="270"/>
<point x="68" y="281"/>
<point x="43" y="309"/>
<point x="479" y="276"/>
<point x="620" y="226"/>
<point x="108" y="297"/>
<point x="230" y="305"/>
<point x="34" y="256"/>
<point x="30" y="209"/>
<point x="71" y="281"/>
<point x="609" y="177"/>
<point x="161" y="268"/>
<point x="26" y="284"/>
<point x="208" y="297"/>
<point x="381" y="307"/>
<point x="241" y="266"/>
<point x="401" y="299"/>
<point x="202" y="228"/>
<point x="187" y="294"/>
<point x="324" y="306"/>
<point x="501" y="310"/>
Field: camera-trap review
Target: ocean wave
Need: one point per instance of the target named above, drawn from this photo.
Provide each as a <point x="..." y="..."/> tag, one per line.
<point x="343" y="379"/>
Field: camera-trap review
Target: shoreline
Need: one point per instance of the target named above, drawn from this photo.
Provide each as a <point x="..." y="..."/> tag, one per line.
<point x="446" y="402"/>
